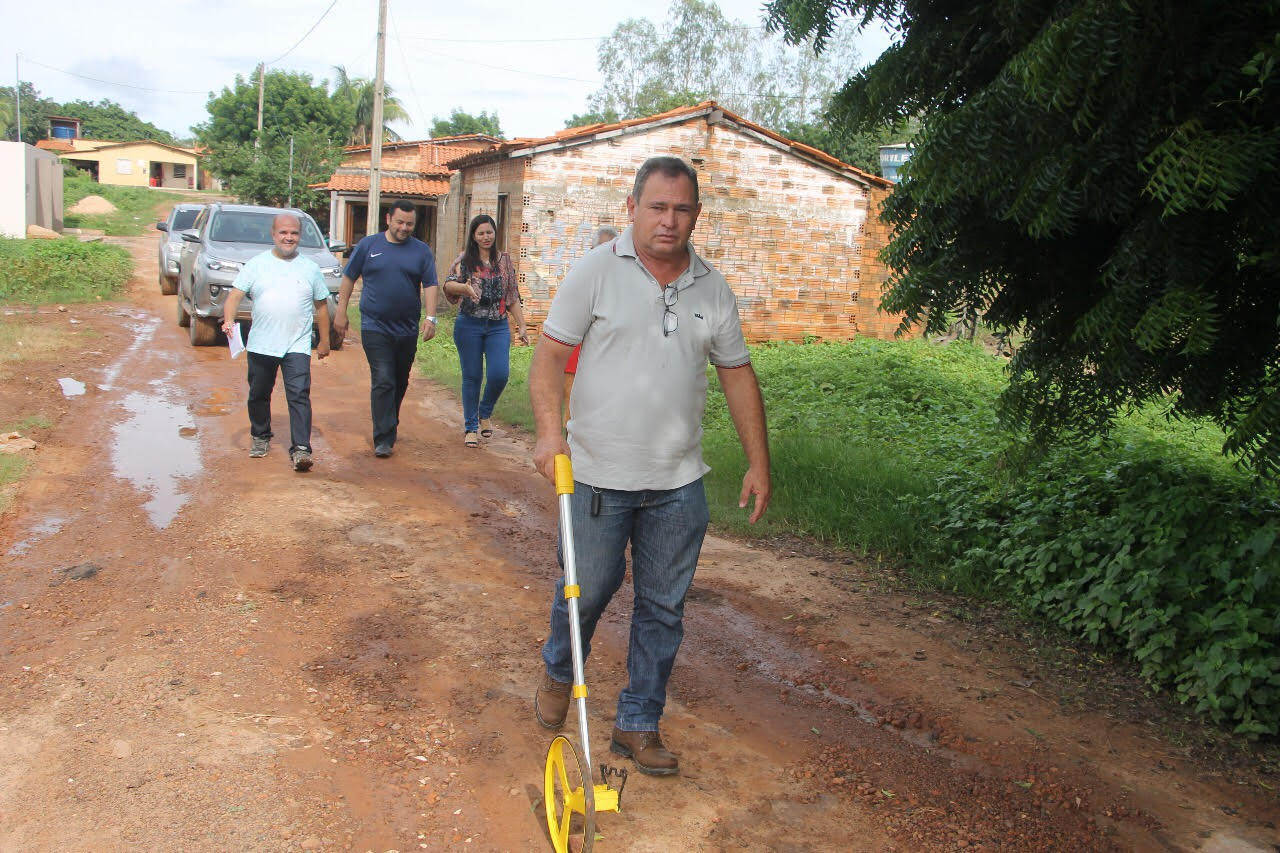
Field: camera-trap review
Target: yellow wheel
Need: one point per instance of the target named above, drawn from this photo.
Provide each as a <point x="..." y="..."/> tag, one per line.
<point x="570" y="799"/>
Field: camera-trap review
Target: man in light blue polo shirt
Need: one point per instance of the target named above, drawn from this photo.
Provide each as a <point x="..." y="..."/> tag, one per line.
<point x="649" y="314"/>
<point x="288" y="293"/>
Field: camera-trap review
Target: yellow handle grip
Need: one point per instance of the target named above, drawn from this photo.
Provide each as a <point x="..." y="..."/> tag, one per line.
<point x="564" y="475"/>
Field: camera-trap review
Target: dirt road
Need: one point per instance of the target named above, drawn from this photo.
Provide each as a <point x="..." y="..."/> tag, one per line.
<point x="204" y="652"/>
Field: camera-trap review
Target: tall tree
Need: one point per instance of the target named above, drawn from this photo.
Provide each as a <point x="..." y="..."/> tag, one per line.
<point x="700" y="54"/>
<point x="1103" y="177"/>
<point x="293" y="107"/>
<point x="108" y="120"/>
<point x="36" y="110"/>
<point x="291" y="102"/>
<point x="261" y="175"/>
<point x="355" y="95"/>
<point x="460" y="122"/>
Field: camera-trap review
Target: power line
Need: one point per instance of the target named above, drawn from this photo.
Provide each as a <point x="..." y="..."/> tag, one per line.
<point x="471" y="61"/>
<point x="112" y="82"/>
<point x="743" y="28"/>
<point x="304" y="35"/>
<point x="412" y="88"/>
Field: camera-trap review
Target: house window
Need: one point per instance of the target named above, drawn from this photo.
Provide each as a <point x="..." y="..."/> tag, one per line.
<point x="502" y="220"/>
<point x="180" y="170"/>
<point x="124" y="166"/>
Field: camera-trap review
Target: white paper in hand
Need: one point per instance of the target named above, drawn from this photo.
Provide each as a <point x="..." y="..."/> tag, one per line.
<point x="235" y="342"/>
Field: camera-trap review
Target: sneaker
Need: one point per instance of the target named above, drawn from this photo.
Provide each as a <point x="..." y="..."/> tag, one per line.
<point x="551" y="702"/>
<point x="259" y="448"/>
<point x="646" y="749"/>
<point x="301" y="459"/>
<point x="382" y="451"/>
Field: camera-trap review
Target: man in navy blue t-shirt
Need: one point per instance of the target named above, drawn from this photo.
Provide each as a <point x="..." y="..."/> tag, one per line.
<point x="395" y="266"/>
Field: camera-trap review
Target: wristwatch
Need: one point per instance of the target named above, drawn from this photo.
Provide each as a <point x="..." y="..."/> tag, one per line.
<point x="431" y="320"/>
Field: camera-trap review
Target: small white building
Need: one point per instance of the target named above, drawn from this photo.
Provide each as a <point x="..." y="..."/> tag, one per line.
<point x="30" y="189"/>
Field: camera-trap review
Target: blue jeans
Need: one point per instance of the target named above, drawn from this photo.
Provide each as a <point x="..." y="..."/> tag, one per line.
<point x="484" y="351"/>
<point x="665" y="529"/>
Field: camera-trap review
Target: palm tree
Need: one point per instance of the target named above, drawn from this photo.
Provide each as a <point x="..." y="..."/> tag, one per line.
<point x="355" y="96"/>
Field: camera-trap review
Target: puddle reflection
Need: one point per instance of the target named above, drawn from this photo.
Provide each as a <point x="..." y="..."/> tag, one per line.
<point x="51" y="525"/>
<point x="153" y="450"/>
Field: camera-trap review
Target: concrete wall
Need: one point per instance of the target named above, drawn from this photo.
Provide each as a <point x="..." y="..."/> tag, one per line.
<point x="797" y="242"/>
<point x="30" y="189"/>
<point x="13" y="192"/>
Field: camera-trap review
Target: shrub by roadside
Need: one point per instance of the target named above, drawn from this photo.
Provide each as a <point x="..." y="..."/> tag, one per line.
<point x="38" y="271"/>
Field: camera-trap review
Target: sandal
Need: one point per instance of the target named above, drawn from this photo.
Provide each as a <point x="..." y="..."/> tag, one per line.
<point x="471" y="440"/>
<point x="486" y="428"/>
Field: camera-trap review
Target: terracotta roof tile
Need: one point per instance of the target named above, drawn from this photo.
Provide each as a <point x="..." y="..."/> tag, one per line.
<point x="585" y="132"/>
<point x="427" y="187"/>
<point x="55" y="145"/>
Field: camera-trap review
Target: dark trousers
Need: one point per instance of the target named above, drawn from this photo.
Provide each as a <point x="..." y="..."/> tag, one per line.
<point x="390" y="361"/>
<point x="296" y="369"/>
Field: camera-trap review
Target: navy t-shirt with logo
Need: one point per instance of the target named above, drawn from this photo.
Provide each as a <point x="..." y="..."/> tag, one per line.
<point x="393" y="273"/>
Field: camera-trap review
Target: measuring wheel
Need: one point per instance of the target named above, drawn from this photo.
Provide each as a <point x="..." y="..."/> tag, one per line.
<point x="570" y="799"/>
<point x="568" y="787"/>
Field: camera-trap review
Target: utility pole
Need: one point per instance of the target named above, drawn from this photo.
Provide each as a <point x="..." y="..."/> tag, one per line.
<point x="17" y="96"/>
<point x="375" y="152"/>
<point x="290" y="204"/>
<point x="262" y="76"/>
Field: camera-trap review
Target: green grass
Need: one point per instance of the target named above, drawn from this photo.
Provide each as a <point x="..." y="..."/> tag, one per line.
<point x="135" y="206"/>
<point x="27" y="424"/>
<point x="1150" y="542"/>
<point x="65" y="270"/>
<point x="438" y="360"/>
<point x="12" y="467"/>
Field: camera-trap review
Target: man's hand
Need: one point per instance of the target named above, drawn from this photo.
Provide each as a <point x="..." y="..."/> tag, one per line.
<point x="228" y="325"/>
<point x="428" y="331"/>
<point x="545" y="451"/>
<point x="322" y="349"/>
<point x="757" y="483"/>
<point x="341" y="323"/>
<point x="546" y="384"/>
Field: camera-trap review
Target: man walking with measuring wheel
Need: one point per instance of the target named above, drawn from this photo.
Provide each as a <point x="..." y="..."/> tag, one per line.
<point x="649" y="314"/>
<point x="396" y="267"/>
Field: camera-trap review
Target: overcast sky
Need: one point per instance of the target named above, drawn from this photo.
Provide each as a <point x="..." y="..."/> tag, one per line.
<point x="534" y="63"/>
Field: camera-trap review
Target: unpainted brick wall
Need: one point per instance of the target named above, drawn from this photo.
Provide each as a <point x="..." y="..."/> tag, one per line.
<point x="797" y="243"/>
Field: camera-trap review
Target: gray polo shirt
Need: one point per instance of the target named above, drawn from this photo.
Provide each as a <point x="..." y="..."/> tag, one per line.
<point x="639" y="397"/>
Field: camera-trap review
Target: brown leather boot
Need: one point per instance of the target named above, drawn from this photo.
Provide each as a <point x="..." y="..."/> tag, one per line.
<point x="551" y="702"/>
<point x="646" y="749"/>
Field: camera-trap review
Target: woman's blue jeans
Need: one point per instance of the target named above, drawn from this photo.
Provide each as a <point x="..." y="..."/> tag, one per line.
<point x="665" y="529"/>
<point x="484" y="351"/>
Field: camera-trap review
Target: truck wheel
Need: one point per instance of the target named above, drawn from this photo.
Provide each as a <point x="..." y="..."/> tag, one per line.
<point x="184" y="319"/>
<point x="168" y="286"/>
<point x="204" y="331"/>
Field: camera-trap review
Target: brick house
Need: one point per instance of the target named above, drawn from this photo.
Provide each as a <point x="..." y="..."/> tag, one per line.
<point x="414" y="171"/>
<point x="792" y="228"/>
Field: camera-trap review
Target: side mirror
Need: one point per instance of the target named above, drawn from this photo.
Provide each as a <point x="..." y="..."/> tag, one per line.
<point x="191" y="235"/>
<point x="162" y="226"/>
<point x="337" y="247"/>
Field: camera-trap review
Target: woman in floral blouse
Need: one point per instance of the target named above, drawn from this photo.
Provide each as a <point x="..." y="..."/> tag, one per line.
<point x="483" y="279"/>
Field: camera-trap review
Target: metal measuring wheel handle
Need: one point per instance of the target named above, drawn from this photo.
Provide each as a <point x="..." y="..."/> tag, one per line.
<point x="568" y="781"/>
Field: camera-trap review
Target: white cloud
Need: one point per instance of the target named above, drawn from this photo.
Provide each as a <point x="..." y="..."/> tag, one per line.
<point x="197" y="47"/>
